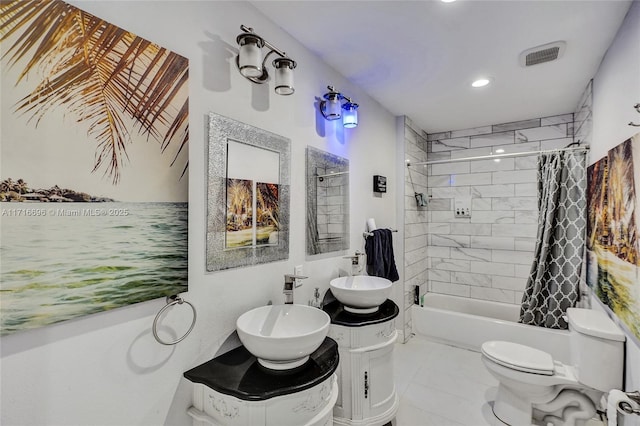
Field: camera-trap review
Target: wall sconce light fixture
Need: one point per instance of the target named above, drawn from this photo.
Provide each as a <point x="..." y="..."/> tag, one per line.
<point x="251" y="63"/>
<point x="332" y="108"/>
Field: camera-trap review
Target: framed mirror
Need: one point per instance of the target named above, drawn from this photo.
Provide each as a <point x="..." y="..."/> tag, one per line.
<point x="327" y="202"/>
<point x="247" y="195"/>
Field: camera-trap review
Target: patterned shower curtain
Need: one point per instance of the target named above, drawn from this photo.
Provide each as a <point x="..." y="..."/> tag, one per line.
<point x="553" y="284"/>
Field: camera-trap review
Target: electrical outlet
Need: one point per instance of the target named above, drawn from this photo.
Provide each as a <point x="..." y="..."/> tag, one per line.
<point x="298" y="270"/>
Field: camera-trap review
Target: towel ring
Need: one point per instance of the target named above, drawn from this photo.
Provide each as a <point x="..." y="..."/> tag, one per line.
<point x="172" y="300"/>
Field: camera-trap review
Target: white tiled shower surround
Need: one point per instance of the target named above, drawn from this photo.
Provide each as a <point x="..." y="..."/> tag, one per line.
<point x="332" y="200"/>
<point x="487" y="256"/>
<point x="415" y="219"/>
<point x="583" y="129"/>
<point x="583" y="117"/>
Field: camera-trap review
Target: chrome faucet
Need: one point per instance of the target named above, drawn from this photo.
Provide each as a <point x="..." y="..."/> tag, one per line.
<point x="357" y="263"/>
<point x="289" y="281"/>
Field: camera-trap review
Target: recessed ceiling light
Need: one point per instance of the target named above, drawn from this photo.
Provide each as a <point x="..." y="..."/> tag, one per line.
<point x="481" y="82"/>
<point x="499" y="151"/>
<point x="447" y="1"/>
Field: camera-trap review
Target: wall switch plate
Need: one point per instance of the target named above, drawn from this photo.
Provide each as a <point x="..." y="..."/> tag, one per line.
<point x="298" y="271"/>
<point x="462" y="207"/>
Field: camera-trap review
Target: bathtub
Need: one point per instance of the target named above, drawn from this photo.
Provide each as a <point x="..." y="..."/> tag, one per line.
<point x="467" y="323"/>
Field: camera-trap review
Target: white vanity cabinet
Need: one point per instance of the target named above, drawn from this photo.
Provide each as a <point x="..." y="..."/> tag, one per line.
<point x="311" y="407"/>
<point x="367" y="390"/>
<point x="235" y="390"/>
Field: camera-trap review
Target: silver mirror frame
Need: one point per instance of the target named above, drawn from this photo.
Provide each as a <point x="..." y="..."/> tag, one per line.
<point x="316" y="245"/>
<point x="222" y="129"/>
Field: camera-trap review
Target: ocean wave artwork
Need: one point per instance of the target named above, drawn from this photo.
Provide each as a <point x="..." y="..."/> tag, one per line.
<point x="75" y="259"/>
<point x="93" y="166"/>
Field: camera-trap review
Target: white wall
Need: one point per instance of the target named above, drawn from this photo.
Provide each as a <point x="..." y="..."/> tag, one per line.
<point x="616" y="88"/>
<point x="107" y="368"/>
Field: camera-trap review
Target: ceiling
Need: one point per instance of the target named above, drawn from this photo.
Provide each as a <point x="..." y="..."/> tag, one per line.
<point x="418" y="58"/>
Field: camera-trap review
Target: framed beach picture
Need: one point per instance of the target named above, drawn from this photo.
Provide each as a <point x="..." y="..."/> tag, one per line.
<point x="93" y="174"/>
<point x="240" y="229"/>
<point x="244" y="228"/>
<point x="267" y="214"/>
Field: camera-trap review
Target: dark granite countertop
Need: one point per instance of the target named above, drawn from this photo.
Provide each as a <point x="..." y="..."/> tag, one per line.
<point x="387" y="311"/>
<point x="239" y="374"/>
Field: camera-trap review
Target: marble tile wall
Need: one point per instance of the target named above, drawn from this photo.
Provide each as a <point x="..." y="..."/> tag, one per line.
<point x="323" y="207"/>
<point x="583" y="133"/>
<point x="583" y="116"/>
<point x="332" y="196"/>
<point x="416" y="226"/>
<point x="488" y="255"/>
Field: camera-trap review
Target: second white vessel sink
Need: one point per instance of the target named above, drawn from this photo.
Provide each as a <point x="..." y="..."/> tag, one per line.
<point x="283" y="336"/>
<point x="361" y="294"/>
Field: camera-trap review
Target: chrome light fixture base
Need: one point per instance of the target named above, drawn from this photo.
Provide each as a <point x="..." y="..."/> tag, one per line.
<point x="251" y="63"/>
<point x="332" y="108"/>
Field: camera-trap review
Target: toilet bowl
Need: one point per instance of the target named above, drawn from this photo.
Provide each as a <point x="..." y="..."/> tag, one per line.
<point x="535" y="387"/>
<point x="530" y="379"/>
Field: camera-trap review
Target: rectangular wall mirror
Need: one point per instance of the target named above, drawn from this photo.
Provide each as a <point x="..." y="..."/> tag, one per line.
<point x="248" y="195"/>
<point x="327" y="202"/>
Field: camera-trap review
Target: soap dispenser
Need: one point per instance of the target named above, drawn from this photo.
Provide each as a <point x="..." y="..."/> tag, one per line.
<point x="316" y="303"/>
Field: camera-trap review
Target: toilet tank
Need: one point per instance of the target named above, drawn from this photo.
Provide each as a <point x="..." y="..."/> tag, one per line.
<point x="597" y="349"/>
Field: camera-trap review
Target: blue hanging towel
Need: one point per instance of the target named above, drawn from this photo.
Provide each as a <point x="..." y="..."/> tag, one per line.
<point x="380" y="259"/>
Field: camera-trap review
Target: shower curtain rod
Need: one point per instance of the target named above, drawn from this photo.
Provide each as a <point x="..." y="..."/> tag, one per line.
<point x="493" y="156"/>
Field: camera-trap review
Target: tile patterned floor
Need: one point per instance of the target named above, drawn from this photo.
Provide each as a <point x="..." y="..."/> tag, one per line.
<point x="441" y="385"/>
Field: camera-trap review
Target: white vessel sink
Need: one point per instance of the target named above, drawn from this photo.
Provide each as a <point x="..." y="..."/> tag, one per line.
<point x="361" y="294"/>
<point x="283" y="336"/>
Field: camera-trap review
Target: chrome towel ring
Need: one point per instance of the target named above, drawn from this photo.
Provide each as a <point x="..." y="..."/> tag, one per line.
<point x="173" y="300"/>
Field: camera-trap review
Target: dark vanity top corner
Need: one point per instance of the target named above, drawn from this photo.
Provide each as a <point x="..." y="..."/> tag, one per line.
<point x="239" y="374"/>
<point x="339" y="316"/>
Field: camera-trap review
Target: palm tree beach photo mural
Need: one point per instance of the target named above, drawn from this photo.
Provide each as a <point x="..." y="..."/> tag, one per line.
<point x="613" y="240"/>
<point x="93" y="166"/>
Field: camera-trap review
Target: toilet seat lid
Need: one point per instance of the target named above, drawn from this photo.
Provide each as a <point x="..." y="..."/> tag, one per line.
<point x="519" y="357"/>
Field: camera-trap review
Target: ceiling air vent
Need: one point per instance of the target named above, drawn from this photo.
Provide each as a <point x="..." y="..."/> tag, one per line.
<point x="541" y="54"/>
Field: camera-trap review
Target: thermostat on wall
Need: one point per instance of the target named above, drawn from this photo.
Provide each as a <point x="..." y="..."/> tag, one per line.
<point x="379" y="183"/>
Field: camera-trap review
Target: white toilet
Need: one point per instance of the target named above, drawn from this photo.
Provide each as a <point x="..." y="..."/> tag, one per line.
<point x="535" y="387"/>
